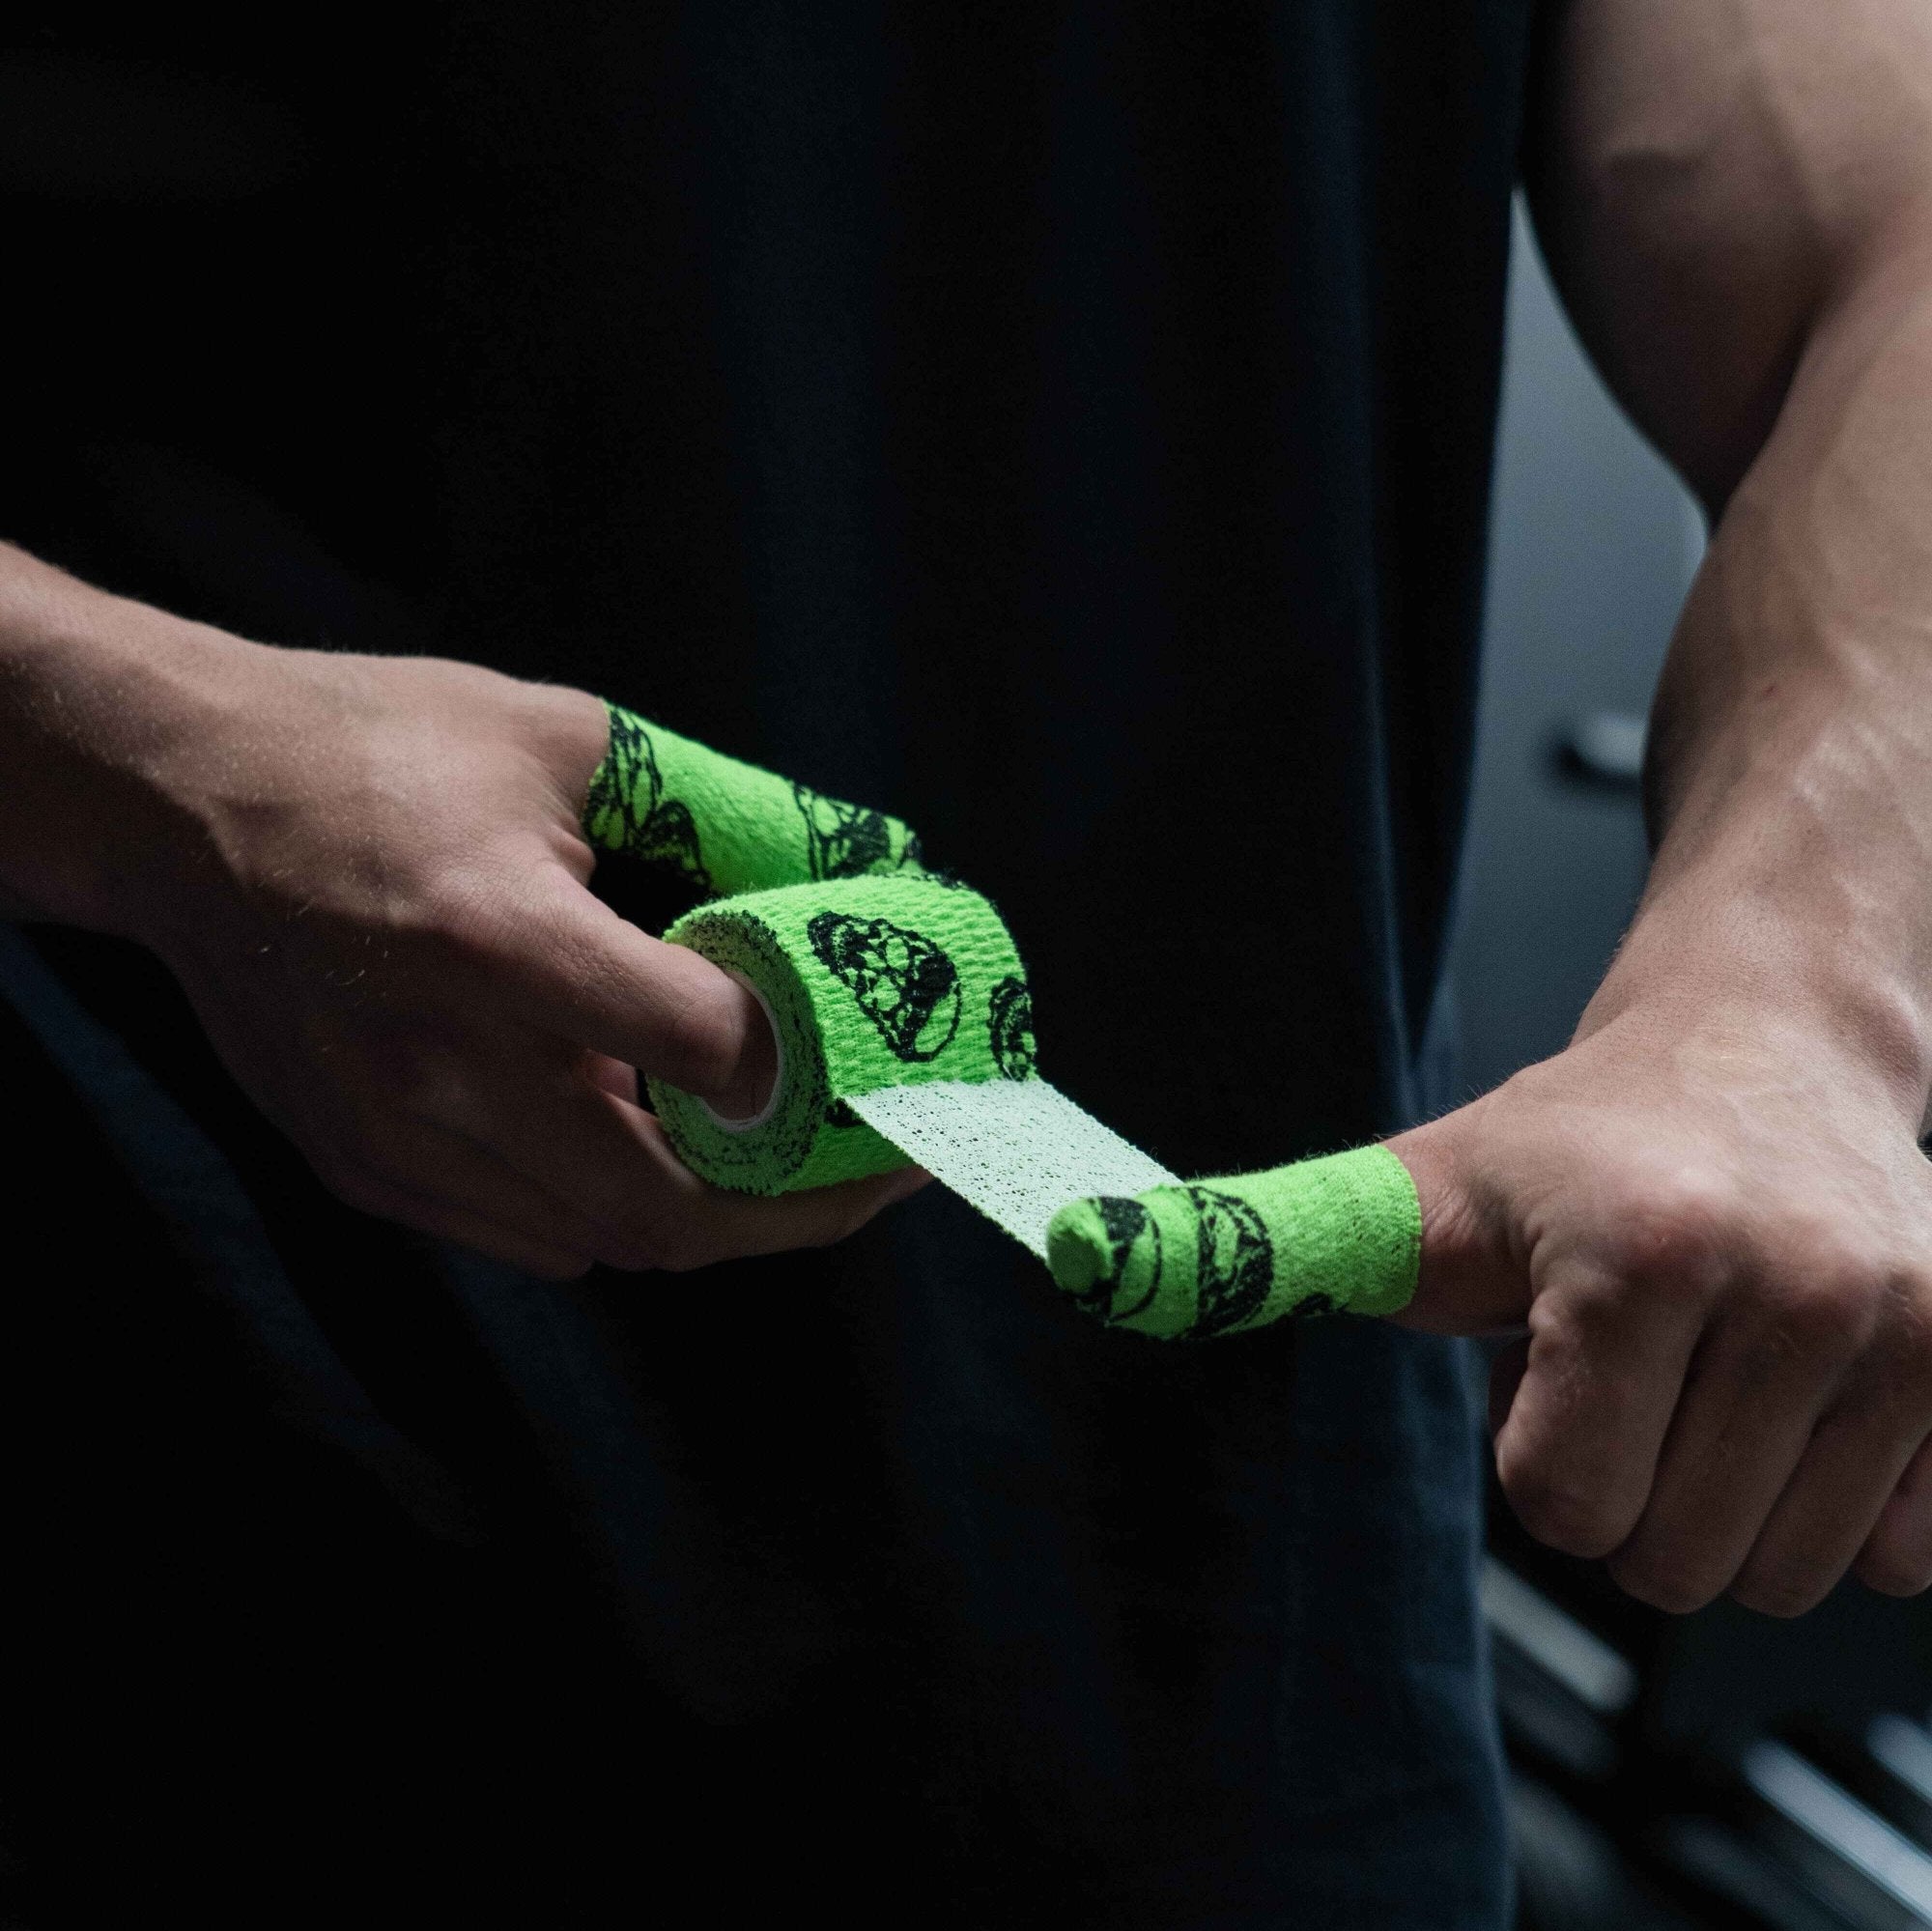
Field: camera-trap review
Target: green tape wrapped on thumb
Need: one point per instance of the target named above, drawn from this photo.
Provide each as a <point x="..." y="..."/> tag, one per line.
<point x="1341" y="1233"/>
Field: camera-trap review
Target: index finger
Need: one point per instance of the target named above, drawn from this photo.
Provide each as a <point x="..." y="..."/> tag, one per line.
<point x="1576" y="1453"/>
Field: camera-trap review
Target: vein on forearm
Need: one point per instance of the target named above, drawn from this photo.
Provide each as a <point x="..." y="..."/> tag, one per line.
<point x="1737" y="203"/>
<point x="1791" y="763"/>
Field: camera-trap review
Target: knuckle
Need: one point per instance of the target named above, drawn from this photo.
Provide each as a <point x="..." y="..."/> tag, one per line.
<point x="1779" y="1592"/>
<point x="1558" y="1511"/>
<point x="1569" y="1325"/>
<point x="1672" y="1587"/>
<point x="1680" y="1227"/>
<point x="458" y="917"/>
<point x="1894" y="1572"/>
<point x="1911" y="1339"/>
<point x="1829" y="1310"/>
<point x="1914" y="1326"/>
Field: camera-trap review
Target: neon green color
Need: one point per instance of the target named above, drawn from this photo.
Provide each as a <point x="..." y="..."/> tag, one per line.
<point x="878" y="974"/>
<point x="1341" y="1233"/>
<point x="870" y="983"/>
<point x="729" y="827"/>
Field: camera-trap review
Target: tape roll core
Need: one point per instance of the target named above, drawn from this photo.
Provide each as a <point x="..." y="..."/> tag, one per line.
<point x="868" y="983"/>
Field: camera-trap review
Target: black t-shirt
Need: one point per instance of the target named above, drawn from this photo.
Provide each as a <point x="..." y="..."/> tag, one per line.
<point x="1067" y="427"/>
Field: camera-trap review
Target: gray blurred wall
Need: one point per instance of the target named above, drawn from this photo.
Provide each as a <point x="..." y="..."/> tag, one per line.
<point x="1593" y="545"/>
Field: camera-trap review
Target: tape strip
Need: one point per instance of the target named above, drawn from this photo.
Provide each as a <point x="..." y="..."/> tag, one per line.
<point x="1018" y="1150"/>
<point x="905" y="1032"/>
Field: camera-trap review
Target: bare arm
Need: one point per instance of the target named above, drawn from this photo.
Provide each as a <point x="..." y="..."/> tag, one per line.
<point x="368" y="875"/>
<point x="1735" y="200"/>
<point x="1712" y="1210"/>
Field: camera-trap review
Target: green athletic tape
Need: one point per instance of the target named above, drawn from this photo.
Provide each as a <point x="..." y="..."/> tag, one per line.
<point x="870" y="983"/>
<point x="729" y="827"/>
<point x="1215" y="1257"/>
<point x="879" y="976"/>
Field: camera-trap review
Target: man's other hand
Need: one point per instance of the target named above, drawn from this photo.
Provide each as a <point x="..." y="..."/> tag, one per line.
<point x="1716" y="1232"/>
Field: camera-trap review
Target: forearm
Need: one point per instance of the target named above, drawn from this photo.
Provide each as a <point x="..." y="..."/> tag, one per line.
<point x="101" y="701"/>
<point x="1735" y="200"/>
<point x="1790" y="781"/>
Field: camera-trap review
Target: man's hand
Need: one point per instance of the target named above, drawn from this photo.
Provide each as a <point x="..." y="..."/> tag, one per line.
<point x="368" y="875"/>
<point x="1717" y="1229"/>
<point x="1711" y="1211"/>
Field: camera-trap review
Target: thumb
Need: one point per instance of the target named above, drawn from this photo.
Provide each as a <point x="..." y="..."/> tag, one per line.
<point x="1219" y="1255"/>
<point x="1391" y="1229"/>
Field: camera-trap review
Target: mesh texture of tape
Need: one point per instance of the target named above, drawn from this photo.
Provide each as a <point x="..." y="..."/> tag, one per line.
<point x="905" y="1031"/>
<point x="905" y="1027"/>
<point x="725" y="826"/>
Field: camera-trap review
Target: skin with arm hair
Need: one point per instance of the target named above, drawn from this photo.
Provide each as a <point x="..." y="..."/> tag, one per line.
<point x="369" y="876"/>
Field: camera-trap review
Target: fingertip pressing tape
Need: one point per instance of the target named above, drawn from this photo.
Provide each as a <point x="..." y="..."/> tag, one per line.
<point x="904" y="1031"/>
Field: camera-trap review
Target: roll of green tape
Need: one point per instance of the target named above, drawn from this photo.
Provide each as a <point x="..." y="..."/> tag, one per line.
<point x="869" y="982"/>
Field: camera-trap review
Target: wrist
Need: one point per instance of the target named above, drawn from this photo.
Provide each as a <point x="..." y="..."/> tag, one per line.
<point x="1745" y="971"/>
<point x="104" y="704"/>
